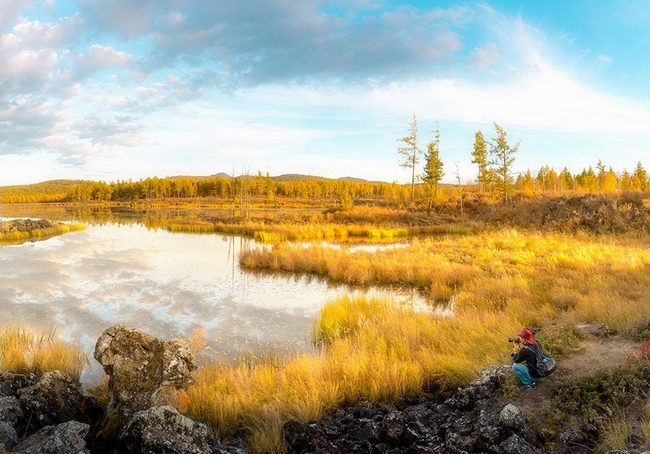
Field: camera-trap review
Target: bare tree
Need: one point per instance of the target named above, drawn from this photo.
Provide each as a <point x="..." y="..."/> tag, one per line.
<point x="409" y="151"/>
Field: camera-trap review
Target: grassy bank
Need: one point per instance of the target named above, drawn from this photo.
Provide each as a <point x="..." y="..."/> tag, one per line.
<point x="28" y="351"/>
<point x="17" y="237"/>
<point x="380" y="351"/>
<point x="372" y="349"/>
<point x="535" y="277"/>
<point x="276" y="233"/>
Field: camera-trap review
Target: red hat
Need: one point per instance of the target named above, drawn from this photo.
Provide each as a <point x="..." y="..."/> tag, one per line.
<point x="527" y="335"/>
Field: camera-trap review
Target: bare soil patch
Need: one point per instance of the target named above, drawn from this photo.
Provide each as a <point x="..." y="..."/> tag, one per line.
<point x="595" y="354"/>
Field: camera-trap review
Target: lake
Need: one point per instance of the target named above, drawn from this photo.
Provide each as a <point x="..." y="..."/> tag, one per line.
<point x="168" y="285"/>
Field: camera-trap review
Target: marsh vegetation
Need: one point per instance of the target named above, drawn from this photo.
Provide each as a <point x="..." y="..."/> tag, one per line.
<point x="541" y="261"/>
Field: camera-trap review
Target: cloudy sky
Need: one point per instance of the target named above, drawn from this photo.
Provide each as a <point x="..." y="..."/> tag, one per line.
<point x="122" y="89"/>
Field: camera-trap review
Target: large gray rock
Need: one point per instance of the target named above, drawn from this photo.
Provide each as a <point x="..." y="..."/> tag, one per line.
<point x="163" y="430"/>
<point x="55" y="399"/>
<point x="144" y="371"/>
<point x="65" y="438"/>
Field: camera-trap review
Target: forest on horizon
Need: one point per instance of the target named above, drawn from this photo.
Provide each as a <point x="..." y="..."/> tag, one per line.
<point x="269" y="189"/>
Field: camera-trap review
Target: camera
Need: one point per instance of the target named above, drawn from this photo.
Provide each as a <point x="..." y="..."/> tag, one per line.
<point x="516" y="340"/>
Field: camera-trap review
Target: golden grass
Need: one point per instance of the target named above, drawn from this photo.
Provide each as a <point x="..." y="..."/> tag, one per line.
<point x="372" y="349"/>
<point x="27" y="351"/>
<point x="376" y="350"/>
<point x="538" y="276"/>
<point x="280" y="232"/>
<point x="39" y="234"/>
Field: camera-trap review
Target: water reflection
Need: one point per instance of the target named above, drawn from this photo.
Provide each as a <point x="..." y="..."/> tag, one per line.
<point x="166" y="284"/>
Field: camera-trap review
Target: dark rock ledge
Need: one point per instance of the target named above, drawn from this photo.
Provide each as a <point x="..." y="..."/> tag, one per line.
<point x="147" y="381"/>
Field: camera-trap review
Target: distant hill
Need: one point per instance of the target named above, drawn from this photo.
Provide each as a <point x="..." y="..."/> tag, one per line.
<point x="46" y="186"/>
<point x="61" y="186"/>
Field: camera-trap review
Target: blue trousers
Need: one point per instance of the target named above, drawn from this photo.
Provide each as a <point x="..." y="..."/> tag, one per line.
<point x="524" y="375"/>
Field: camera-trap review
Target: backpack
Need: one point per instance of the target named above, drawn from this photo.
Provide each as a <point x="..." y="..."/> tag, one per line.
<point x="546" y="364"/>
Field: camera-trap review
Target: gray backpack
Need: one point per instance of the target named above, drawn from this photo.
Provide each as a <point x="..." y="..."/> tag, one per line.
<point x="546" y="364"/>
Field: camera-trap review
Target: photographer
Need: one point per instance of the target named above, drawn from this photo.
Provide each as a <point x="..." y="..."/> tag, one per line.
<point x="525" y="359"/>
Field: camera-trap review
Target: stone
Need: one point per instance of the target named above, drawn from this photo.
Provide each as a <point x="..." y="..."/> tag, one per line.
<point x="394" y="425"/>
<point x="10" y="410"/>
<point x="55" y="399"/>
<point x="307" y="438"/>
<point x="517" y="445"/>
<point x="65" y="438"/>
<point x="163" y="430"/>
<point x="144" y="371"/>
<point x="8" y="436"/>
<point x="10" y="382"/>
<point x="513" y="418"/>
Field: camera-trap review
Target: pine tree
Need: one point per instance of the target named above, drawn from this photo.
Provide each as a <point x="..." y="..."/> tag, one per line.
<point x="480" y="155"/>
<point x="502" y="160"/>
<point x="433" y="166"/>
<point x="640" y="178"/>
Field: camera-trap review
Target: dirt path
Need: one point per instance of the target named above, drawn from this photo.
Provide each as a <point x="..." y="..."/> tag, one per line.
<point x="598" y="353"/>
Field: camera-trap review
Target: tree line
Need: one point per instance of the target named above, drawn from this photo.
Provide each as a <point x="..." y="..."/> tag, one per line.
<point x="495" y="160"/>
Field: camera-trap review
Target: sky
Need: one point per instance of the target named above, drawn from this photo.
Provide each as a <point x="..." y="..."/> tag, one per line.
<point x="112" y="90"/>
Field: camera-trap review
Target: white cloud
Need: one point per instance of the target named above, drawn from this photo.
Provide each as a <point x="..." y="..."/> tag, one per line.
<point x="49" y="35"/>
<point x="98" y="58"/>
<point x="28" y="71"/>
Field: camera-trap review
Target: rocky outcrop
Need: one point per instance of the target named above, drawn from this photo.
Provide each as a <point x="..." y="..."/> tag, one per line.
<point x="55" y="399"/>
<point x="147" y="374"/>
<point x="148" y="378"/>
<point x="10" y="382"/>
<point x="144" y="371"/>
<point x="469" y="421"/>
<point x="65" y="438"/>
<point x="164" y="429"/>
<point x="27" y="225"/>
<point x="597" y="213"/>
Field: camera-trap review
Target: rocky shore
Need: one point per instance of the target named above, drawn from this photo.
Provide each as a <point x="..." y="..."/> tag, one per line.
<point x="148" y="378"/>
<point x="27" y="225"/>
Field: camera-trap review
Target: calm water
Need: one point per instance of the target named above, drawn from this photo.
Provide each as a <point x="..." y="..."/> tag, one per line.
<point x="168" y="285"/>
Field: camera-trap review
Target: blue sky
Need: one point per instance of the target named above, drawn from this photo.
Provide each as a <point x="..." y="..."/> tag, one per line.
<point x="121" y="89"/>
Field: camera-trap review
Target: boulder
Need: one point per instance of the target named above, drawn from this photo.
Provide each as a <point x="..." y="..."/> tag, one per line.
<point x="517" y="445"/>
<point x="55" y="399"/>
<point x="163" y="430"/>
<point x="303" y="438"/>
<point x="513" y="418"/>
<point x="10" y="411"/>
<point x="8" y="436"/>
<point x="144" y="371"/>
<point x="65" y="438"/>
<point x="10" y="382"/>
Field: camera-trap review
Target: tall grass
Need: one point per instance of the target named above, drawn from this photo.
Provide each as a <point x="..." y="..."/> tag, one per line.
<point x="538" y="276"/>
<point x="26" y="351"/>
<point x="373" y="349"/>
<point x="39" y="234"/>
<point x="275" y="233"/>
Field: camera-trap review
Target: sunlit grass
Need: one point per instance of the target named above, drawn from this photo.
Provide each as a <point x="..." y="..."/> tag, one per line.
<point x="541" y="276"/>
<point x="39" y="234"/>
<point x="311" y="231"/>
<point x="27" y="351"/>
<point x="372" y="349"/>
<point x="498" y="281"/>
